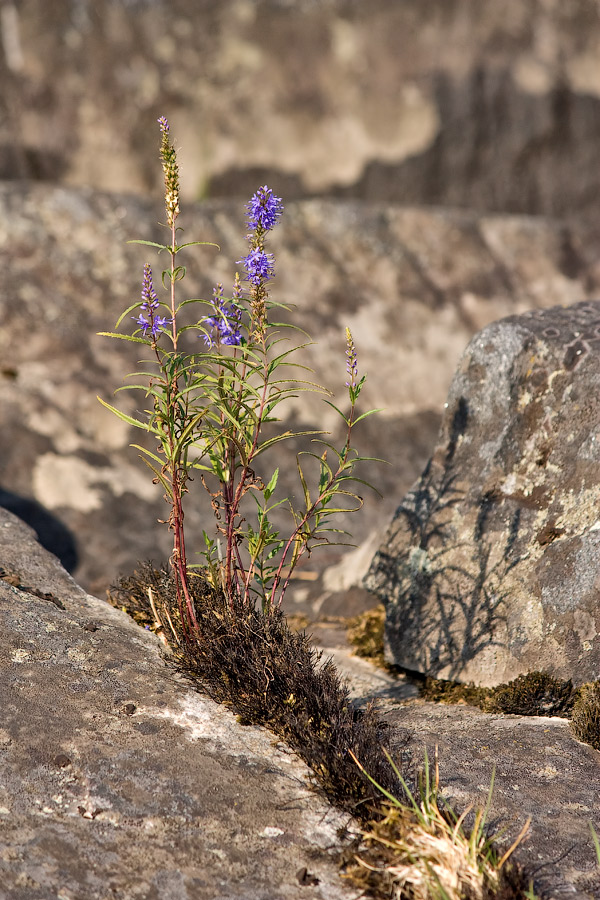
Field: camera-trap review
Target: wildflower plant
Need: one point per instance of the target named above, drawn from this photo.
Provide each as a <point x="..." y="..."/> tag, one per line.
<point x="208" y="405"/>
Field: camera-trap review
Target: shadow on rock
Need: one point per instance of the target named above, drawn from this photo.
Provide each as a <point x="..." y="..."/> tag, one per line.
<point x="52" y="534"/>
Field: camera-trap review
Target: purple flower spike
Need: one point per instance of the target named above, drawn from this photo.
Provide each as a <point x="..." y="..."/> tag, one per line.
<point x="149" y="297"/>
<point x="258" y="266"/>
<point x="164" y="124"/>
<point x="153" y="324"/>
<point x="264" y="209"/>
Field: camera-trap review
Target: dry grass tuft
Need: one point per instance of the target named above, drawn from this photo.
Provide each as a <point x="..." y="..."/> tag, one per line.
<point x="422" y="852"/>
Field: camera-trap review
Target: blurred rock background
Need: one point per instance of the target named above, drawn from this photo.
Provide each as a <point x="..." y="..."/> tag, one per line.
<point x="438" y="162"/>
<point x="449" y="102"/>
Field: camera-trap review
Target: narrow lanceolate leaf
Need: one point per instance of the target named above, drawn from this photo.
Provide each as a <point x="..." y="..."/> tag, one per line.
<point x="124" y="337"/>
<point x="304" y="485"/>
<point x="151" y="244"/>
<point x="271" y="485"/>
<point x="282" y="437"/>
<point x="148" y="453"/>
<point x="359" y="481"/>
<point x="194" y="244"/>
<point x="129" y="419"/>
<point x="187" y="434"/>
<point x="160" y="477"/>
<point x="365" y="414"/>
<point x="128" y="310"/>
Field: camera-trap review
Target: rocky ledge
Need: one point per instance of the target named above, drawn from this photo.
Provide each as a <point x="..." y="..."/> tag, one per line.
<point x="118" y="779"/>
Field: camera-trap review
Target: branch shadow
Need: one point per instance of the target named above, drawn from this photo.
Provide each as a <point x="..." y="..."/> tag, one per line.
<point x="445" y="595"/>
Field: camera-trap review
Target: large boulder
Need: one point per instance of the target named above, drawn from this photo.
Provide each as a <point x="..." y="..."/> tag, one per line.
<point x="491" y="566"/>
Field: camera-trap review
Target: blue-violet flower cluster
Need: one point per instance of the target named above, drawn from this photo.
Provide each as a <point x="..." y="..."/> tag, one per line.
<point x="258" y="265"/>
<point x="226" y="321"/>
<point x="264" y="209"/>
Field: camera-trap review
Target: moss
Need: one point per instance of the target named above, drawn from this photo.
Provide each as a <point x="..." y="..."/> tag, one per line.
<point x="365" y="634"/>
<point x="534" y="694"/>
<point x="438" y="691"/>
<point x="585" y="721"/>
<point x="270" y="675"/>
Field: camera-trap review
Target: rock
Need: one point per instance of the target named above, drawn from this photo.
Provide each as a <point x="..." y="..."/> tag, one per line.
<point x="539" y="771"/>
<point x="454" y="102"/>
<point x="117" y="777"/>
<point x="534" y="765"/>
<point x="490" y="567"/>
<point x="414" y="286"/>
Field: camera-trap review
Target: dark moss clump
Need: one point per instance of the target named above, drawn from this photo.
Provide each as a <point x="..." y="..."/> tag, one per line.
<point x="438" y="691"/>
<point x="271" y="676"/>
<point x="534" y="694"/>
<point x="585" y="721"/>
<point x="365" y="634"/>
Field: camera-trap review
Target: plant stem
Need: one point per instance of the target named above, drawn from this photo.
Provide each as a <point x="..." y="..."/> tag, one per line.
<point x="178" y="558"/>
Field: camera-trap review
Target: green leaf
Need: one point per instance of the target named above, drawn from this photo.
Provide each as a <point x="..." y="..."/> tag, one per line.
<point x="125" y="337"/>
<point x="151" y="244"/>
<point x="129" y="419"/>
<point x="128" y="310"/>
<point x="282" y="437"/>
<point x="271" y="485"/>
<point x="303" y="482"/>
<point x="196" y="244"/>
<point x="365" y="414"/>
<point x="148" y="453"/>
<point x="161" y="478"/>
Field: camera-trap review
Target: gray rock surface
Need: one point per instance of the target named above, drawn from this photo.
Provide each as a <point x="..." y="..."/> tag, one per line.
<point x="490" y="568"/>
<point x="539" y="770"/>
<point x="414" y="286"/>
<point x="447" y="102"/>
<point x="118" y="780"/>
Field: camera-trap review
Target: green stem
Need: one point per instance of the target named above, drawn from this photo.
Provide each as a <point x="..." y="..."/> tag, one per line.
<point x="179" y="557"/>
<point x="306" y="518"/>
